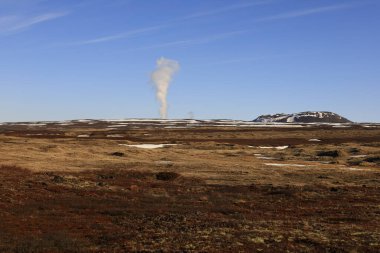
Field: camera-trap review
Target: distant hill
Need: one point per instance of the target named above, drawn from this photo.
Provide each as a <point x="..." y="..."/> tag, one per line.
<point x="303" y="117"/>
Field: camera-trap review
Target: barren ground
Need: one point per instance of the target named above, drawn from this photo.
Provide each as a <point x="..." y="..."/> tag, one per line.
<point x="78" y="187"/>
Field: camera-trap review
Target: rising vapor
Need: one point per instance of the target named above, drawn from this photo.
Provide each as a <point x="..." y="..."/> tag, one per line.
<point x="161" y="79"/>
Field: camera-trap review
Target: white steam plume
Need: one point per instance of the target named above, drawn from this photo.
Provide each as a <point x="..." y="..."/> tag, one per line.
<point x="161" y="78"/>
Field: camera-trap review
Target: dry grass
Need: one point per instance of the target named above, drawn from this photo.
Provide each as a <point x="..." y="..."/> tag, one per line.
<point x="212" y="192"/>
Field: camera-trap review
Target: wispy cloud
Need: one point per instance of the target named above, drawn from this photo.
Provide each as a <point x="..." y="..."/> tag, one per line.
<point x="198" y="41"/>
<point x="255" y="59"/>
<point x="224" y="9"/>
<point x="14" y="23"/>
<point x="306" y="12"/>
<point x="175" y="22"/>
<point x="119" y="36"/>
<point x="238" y="60"/>
<point x="144" y="31"/>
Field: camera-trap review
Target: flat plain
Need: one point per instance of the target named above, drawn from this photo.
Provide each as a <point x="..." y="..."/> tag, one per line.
<point x="189" y="186"/>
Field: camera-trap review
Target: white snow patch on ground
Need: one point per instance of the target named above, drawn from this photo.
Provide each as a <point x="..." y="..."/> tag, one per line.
<point x="84" y="120"/>
<point x="147" y="146"/>
<point x="262" y="157"/>
<point x="30" y="124"/>
<point x="358" y="156"/>
<point x="274" y="125"/>
<point x="355" y="169"/>
<point x="282" y="147"/>
<point x="113" y="126"/>
<point x="316" y="140"/>
<point x="270" y="147"/>
<point x="42" y="134"/>
<point x="266" y="158"/>
<point x="164" y="163"/>
<point x="284" y="165"/>
<point x="115" y="135"/>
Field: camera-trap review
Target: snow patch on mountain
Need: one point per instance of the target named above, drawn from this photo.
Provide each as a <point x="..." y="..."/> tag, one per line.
<point x="303" y="117"/>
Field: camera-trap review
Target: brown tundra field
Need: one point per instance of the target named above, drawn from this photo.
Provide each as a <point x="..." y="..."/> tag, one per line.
<point x="189" y="186"/>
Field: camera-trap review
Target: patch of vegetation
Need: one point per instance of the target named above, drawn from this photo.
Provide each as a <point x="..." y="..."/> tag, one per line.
<point x="298" y="152"/>
<point x="58" y="179"/>
<point x="354" y="162"/>
<point x="119" y="154"/>
<point x="373" y="159"/>
<point x="54" y="242"/>
<point x="106" y="176"/>
<point x="329" y="153"/>
<point x="46" y="148"/>
<point x="353" y="150"/>
<point x="166" y="176"/>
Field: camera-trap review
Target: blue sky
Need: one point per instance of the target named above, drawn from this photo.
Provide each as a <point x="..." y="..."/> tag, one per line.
<point x="239" y="58"/>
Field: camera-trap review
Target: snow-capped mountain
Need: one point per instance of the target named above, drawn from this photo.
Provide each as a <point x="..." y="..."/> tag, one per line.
<point x="303" y="117"/>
